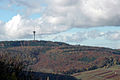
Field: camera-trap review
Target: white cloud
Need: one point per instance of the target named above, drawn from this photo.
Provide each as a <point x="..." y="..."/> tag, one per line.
<point x="85" y="13"/>
<point x="21" y="27"/>
<point x="75" y="13"/>
<point x="113" y="35"/>
<point x="78" y="37"/>
<point x="73" y="37"/>
<point x="61" y="15"/>
<point x="17" y="27"/>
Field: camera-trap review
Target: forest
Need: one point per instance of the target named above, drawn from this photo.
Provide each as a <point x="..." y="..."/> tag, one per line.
<point x="52" y="58"/>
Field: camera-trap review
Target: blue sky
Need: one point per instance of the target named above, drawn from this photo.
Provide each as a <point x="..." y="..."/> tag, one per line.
<point x="84" y="22"/>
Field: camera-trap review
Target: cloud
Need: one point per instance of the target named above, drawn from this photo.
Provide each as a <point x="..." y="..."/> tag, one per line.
<point x="78" y="37"/>
<point x="61" y="15"/>
<point x="73" y="37"/>
<point x="17" y="27"/>
<point x="20" y="27"/>
<point x="29" y="7"/>
<point x="113" y="35"/>
<point x="75" y="13"/>
<point x="85" y="13"/>
<point x="95" y="34"/>
<point x="2" y="30"/>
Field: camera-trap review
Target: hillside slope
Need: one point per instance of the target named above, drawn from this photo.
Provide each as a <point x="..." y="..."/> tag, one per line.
<point x="112" y="73"/>
<point x="58" y="57"/>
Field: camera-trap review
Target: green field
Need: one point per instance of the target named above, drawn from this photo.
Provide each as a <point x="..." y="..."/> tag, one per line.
<point x="112" y="73"/>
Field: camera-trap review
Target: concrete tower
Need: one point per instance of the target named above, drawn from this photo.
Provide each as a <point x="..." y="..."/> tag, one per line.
<point x="34" y="33"/>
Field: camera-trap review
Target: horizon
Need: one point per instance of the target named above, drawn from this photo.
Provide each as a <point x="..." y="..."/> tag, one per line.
<point x="81" y="22"/>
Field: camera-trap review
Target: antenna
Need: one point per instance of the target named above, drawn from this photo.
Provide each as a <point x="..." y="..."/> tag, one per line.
<point x="34" y="33"/>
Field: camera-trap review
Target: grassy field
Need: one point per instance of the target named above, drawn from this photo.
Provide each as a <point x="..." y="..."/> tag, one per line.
<point x="112" y="73"/>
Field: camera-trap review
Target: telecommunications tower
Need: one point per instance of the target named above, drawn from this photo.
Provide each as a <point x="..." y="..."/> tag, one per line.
<point x="34" y="33"/>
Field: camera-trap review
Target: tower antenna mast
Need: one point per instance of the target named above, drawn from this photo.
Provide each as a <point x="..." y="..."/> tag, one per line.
<point x="34" y="33"/>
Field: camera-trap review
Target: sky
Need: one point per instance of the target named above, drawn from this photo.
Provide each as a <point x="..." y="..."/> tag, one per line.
<point x="81" y="22"/>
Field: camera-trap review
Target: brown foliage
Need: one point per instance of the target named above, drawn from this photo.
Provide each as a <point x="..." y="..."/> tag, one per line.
<point x="55" y="57"/>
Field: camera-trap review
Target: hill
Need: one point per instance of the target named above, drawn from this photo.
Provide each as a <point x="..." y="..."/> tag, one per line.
<point x="57" y="57"/>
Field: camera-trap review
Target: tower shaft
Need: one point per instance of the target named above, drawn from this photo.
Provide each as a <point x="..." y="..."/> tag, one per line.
<point x="34" y="34"/>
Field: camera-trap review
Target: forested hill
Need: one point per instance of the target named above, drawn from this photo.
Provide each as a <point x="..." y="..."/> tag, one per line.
<point x="29" y="43"/>
<point x="57" y="57"/>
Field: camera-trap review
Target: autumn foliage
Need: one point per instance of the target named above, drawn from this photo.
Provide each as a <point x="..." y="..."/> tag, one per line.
<point x="57" y="57"/>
